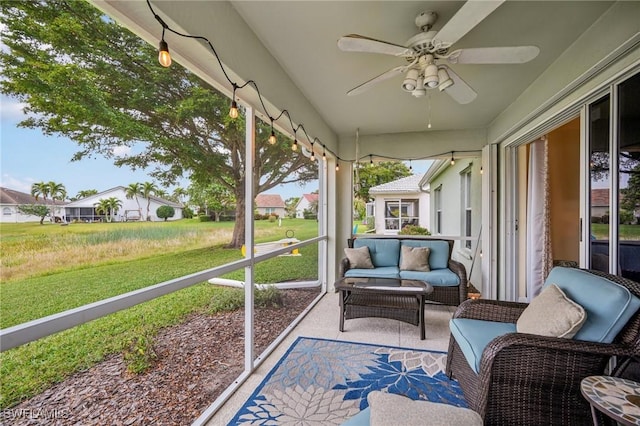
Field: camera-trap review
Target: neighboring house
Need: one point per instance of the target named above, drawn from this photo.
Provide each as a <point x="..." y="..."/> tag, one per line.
<point x="270" y="203"/>
<point x="305" y="203"/>
<point x="11" y="199"/>
<point x="399" y="203"/>
<point x="456" y="203"/>
<point x="84" y="209"/>
<point x="599" y="202"/>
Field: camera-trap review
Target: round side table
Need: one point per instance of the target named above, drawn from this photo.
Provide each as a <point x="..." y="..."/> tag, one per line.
<point x="617" y="398"/>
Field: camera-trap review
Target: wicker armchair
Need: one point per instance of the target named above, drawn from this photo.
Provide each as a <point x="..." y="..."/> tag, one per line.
<point x="535" y="380"/>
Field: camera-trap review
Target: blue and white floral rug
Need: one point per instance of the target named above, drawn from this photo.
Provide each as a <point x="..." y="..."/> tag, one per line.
<point x="325" y="382"/>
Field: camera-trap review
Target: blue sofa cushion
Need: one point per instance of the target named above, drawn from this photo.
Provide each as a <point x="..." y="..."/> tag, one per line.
<point x="474" y="335"/>
<point x="608" y="305"/>
<point x="439" y="257"/>
<point x="437" y="278"/>
<point x="384" y="252"/>
<point x="382" y="272"/>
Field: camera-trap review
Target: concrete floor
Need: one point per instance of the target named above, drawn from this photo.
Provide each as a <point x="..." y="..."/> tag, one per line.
<point x="322" y="322"/>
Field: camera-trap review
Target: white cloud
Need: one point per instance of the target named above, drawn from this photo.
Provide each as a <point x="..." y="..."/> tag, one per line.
<point x="22" y="185"/>
<point x="11" y="109"/>
<point x="121" y="151"/>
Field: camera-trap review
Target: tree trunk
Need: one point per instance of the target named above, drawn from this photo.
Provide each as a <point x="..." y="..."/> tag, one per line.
<point x="237" y="239"/>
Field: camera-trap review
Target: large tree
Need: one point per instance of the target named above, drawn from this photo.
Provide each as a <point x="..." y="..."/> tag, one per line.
<point x="375" y="174"/>
<point x="84" y="77"/>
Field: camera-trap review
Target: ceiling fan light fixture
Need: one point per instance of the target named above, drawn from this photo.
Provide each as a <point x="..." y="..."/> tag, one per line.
<point x="444" y="79"/>
<point x="409" y="83"/>
<point x="431" y="76"/>
<point x="420" y="91"/>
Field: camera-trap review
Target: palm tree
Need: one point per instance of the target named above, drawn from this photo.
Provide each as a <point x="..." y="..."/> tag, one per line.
<point x="86" y="193"/>
<point x="132" y="191"/>
<point x="40" y="189"/>
<point x="148" y="189"/>
<point x="108" y="207"/>
<point x="179" y="194"/>
<point x="57" y="191"/>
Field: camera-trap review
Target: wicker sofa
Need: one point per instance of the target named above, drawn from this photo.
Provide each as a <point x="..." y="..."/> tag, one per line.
<point x="447" y="276"/>
<point x="523" y="378"/>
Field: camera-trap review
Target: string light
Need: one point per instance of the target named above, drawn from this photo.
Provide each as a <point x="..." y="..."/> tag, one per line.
<point x="233" y="111"/>
<point x="163" y="50"/>
<point x="312" y="157"/>
<point x="370" y="160"/>
<point x="453" y="161"/>
<point x="410" y="166"/>
<point x="324" y="153"/>
<point x="165" y="60"/>
<point x="272" y="137"/>
<point x="481" y="171"/>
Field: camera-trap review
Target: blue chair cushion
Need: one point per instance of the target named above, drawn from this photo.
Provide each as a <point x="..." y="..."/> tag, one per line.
<point x="384" y="252"/>
<point x="608" y="305"/>
<point x="439" y="256"/>
<point x="382" y="272"/>
<point x="474" y="335"/>
<point x="363" y="418"/>
<point x="436" y="277"/>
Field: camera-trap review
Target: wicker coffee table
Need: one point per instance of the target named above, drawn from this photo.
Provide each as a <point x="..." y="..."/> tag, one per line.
<point x="402" y="300"/>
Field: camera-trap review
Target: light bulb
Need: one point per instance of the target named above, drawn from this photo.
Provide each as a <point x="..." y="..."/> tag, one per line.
<point x="324" y="155"/>
<point x="337" y="167"/>
<point x="294" y="147"/>
<point x="453" y="162"/>
<point x="313" y="157"/>
<point x="272" y="138"/>
<point x="409" y="83"/>
<point x="163" y="55"/>
<point x="431" y="76"/>
<point x="444" y="79"/>
<point x="233" y="112"/>
<point x="481" y="171"/>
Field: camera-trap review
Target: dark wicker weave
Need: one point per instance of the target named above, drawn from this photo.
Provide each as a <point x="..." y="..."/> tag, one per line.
<point x="526" y="379"/>
<point x="451" y="296"/>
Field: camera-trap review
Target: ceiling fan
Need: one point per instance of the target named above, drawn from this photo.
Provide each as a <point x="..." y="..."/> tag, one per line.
<point x="426" y="51"/>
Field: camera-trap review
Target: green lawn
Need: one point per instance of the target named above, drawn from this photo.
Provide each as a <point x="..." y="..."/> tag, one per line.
<point x="627" y="232"/>
<point x="30" y="368"/>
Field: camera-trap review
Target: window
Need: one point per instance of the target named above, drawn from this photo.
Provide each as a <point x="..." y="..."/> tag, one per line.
<point x="465" y="186"/>
<point x="6" y="211"/>
<point x="400" y="213"/>
<point x="437" y="201"/>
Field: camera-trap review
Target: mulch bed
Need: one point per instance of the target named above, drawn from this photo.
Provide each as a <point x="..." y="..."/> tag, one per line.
<point x="196" y="361"/>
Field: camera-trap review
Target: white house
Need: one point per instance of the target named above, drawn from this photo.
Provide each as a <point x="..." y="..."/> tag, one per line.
<point x="456" y="203"/>
<point x="305" y="203"/>
<point x="399" y="203"/>
<point x="10" y="200"/>
<point x="132" y="209"/>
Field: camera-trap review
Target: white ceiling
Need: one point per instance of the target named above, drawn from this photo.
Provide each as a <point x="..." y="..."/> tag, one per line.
<point x="301" y="36"/>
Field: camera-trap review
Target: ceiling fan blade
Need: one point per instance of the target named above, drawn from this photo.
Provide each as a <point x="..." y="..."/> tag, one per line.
<point x="384" y="76"/>
<point x="494" y="55"/>
<point x="358" y="43"/>
<point x="460" y="91"/>
<point x="466" y="18"/>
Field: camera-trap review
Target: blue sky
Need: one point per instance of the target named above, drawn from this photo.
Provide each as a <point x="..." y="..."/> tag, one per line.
<point x="28" y="156"/>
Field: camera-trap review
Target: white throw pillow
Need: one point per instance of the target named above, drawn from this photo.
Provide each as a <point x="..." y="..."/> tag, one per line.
<point x="388" y="409"/>
<point x="552" y="313"/>
<point x="415" y="259"/>
<point x="359" y="258"/>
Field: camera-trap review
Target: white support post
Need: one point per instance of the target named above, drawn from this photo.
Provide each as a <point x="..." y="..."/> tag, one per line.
<point x="250" y="138"/>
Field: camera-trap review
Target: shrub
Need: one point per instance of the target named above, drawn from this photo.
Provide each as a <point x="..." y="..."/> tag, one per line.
<point x="139" y="354"/>
<point x="414" y="230"/>
<point x="187" y="213"/>
<point x="204" y="218"/>
<point x="165" y="212"/>
<point x="272" y="218"/>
